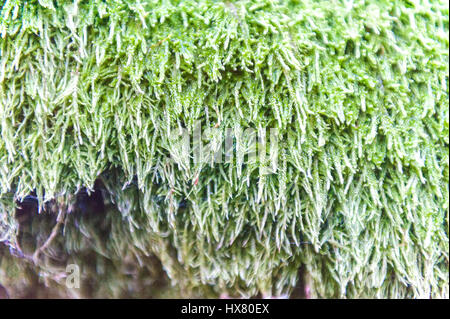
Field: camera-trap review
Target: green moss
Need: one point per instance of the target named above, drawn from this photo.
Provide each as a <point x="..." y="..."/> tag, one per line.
<point x="358" y="91"/>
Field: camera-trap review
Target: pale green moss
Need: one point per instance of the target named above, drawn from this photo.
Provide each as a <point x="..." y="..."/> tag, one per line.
<point x="358" y="91"/>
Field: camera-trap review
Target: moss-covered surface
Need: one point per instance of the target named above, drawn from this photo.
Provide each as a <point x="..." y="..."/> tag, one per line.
<point x="91" y="93"/>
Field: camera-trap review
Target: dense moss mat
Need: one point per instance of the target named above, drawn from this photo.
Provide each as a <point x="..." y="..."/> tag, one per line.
<point x="94" y="91"/>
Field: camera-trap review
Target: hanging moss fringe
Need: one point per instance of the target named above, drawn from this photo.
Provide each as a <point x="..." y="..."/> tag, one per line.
<point x="92" y="93"/>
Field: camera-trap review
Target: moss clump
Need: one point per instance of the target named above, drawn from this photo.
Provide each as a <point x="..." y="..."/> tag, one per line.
<point x="94" y="91"/>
